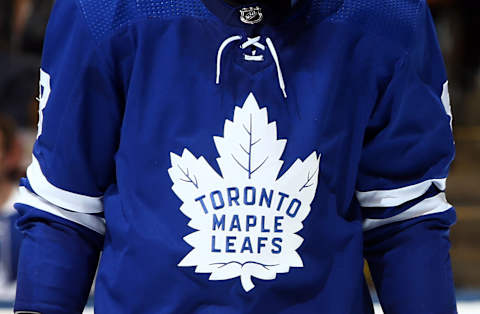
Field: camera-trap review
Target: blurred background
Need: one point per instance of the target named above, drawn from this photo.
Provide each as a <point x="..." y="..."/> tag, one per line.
<point x="22" y="26"/>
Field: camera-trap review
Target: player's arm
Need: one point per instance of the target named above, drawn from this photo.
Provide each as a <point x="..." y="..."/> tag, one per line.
<point x="401" y="185"/>
<point x="73" y="166"/>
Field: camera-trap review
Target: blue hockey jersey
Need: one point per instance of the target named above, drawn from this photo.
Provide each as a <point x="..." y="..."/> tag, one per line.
<point x="239" y="160"/>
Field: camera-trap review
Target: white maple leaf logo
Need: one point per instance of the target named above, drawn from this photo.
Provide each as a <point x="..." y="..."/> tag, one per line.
<point x="246" y="219"/>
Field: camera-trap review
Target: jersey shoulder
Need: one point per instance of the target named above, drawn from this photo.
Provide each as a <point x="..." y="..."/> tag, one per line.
<point x="394" y="19"/>
<point x="104" y="17"/>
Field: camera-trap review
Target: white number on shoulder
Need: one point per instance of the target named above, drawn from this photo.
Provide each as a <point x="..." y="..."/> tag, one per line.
<point x="446" y="103"/>
<point x="43" y="98"/>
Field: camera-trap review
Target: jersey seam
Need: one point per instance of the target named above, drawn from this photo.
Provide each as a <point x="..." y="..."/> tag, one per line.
<point x="95" y="40"/>
<point x="416" y="22"/>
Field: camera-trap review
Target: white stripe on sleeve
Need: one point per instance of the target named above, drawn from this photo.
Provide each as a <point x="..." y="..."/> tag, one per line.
<point x="90" y="221"/>
<point x="432" y="205"/>
<point x="61" y="198"/>
<point x="396" y="197"/>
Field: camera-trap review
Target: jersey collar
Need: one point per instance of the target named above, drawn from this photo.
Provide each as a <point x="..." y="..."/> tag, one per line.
<point x="272" y="14"/>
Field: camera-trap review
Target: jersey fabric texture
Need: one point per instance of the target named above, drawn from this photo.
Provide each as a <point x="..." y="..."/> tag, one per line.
<point x="226" y="167"/>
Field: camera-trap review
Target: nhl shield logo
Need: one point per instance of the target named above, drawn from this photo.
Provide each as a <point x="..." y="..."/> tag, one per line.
<point x="251" y="15"/>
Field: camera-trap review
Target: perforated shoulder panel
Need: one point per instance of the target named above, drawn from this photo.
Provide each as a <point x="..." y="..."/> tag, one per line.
<point x="105" y="16"/>
<point x="383" y="17"/>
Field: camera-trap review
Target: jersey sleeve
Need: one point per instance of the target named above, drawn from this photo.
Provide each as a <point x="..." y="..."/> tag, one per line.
<point x="61" y="204"/>
<point x="401" y="183"/>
